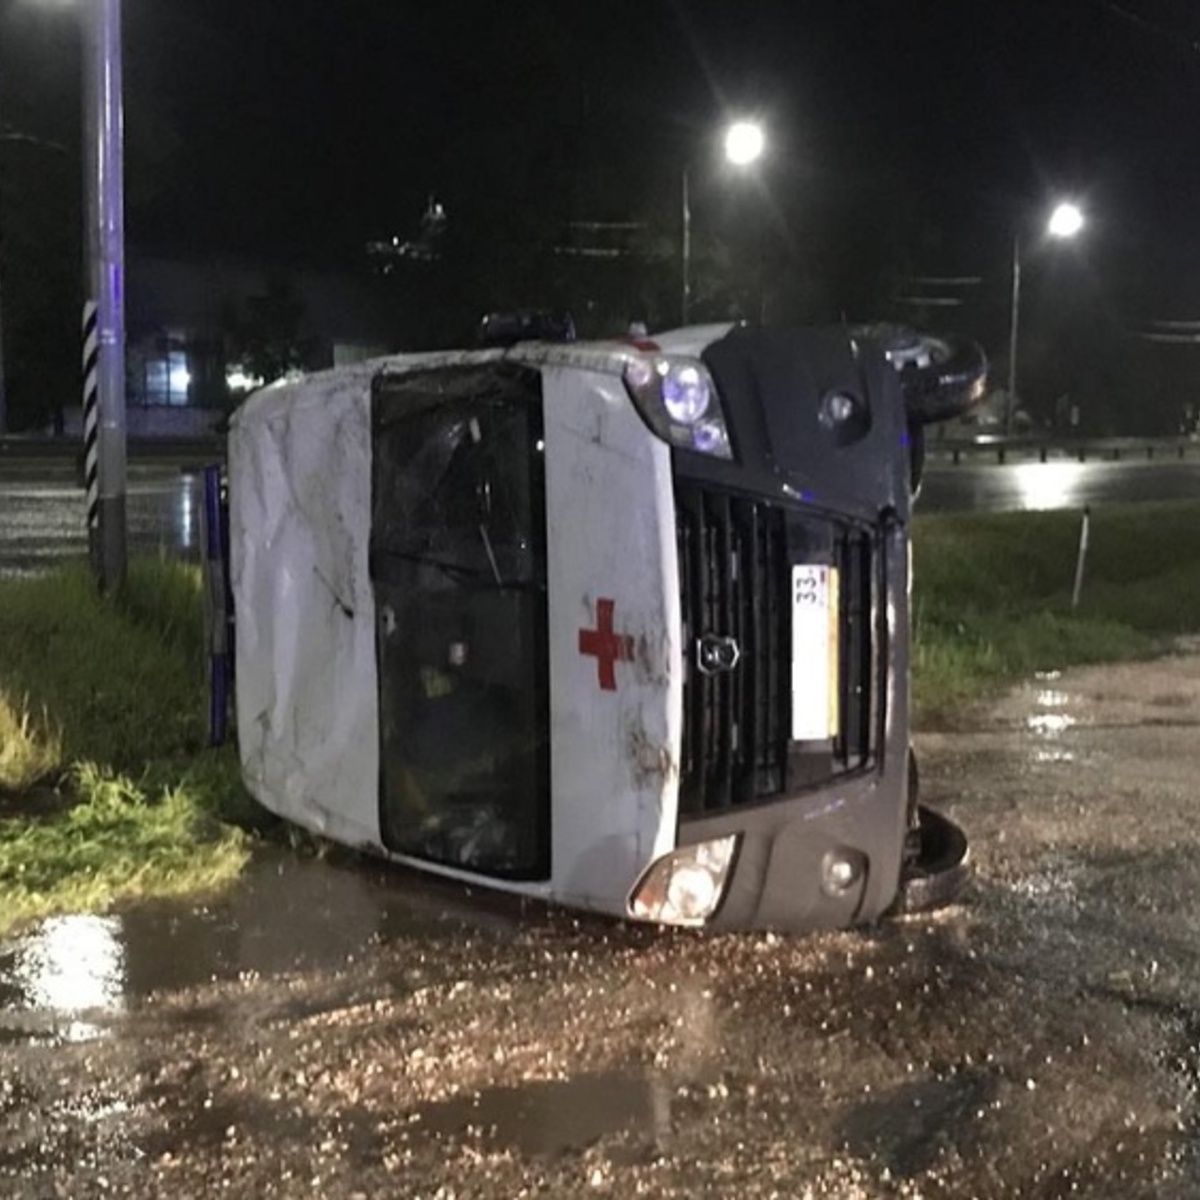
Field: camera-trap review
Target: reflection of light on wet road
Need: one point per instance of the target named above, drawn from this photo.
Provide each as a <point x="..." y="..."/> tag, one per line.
<point x="1048" y="485"/>
<point x="1049" y="723"/>
<point x="1055" y="879"/>
<point x="71" y="965"/>
<point x="42" y="521"/>
<point x="1015" y="487"/>
<point x="187" y="517"/>
<point x="1053" y="756"/>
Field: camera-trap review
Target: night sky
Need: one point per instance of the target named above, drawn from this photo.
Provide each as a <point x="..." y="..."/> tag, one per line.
<point x="905" y="135"/>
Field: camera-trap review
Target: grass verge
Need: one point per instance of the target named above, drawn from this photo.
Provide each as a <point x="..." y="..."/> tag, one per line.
<point x="107" y="788"/>
<point x="992" y="596"/>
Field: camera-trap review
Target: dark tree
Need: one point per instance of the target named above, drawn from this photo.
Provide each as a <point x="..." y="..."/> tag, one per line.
<point x="264" y="333"/>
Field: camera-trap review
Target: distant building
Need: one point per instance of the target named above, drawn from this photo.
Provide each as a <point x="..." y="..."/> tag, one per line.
<point x="193" y="329"/>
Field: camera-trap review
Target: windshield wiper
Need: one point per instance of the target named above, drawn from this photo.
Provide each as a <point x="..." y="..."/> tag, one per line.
<point x="487" y="545"/>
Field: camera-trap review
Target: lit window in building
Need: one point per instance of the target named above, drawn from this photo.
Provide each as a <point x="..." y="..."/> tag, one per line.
<point x="166" y="379"/>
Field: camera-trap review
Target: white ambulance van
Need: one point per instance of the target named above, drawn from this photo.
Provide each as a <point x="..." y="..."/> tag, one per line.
<point x="621" y="625"/>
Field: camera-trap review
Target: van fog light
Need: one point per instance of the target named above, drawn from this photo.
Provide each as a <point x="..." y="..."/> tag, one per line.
<point x="840" y="871"/>
<point x="685" y="887"/>
<point x="846" y="417"/>
<point x="691" y="893"/>
<point x="837" y="408"/>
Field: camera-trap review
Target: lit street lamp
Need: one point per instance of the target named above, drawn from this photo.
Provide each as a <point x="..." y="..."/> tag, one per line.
<point x="1065" y="222"/>
<point x="744" y="144"/>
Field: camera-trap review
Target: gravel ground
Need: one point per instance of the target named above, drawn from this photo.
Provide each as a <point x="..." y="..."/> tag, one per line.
<point x="341" y="1031"/>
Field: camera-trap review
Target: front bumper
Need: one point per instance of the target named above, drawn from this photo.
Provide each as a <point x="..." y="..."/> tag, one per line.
<point x="823" y="860"/>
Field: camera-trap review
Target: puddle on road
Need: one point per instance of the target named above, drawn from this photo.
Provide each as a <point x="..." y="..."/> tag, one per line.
<point x="68" y="977"/>
<point x="71" y="965"/>
<point x="908" y="1128"/>
<point x="552" y="1116"/>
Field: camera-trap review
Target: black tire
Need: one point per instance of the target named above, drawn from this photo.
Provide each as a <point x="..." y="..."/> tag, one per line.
<point x="938" y="866"/>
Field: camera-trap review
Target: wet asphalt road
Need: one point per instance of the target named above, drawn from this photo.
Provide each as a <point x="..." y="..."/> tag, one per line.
<point x="42" y="506"/>
<point x="1060" y="483"/>
<point x="43" y="515"/>
<point x="334" y="1029"/>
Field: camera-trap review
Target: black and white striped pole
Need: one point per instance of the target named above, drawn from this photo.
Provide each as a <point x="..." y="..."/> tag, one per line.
<point x="102" y="138"/>
<point x="91" y="432"/>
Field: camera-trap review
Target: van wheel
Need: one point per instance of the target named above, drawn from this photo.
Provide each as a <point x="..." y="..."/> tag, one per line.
<point x="937" y="865"/>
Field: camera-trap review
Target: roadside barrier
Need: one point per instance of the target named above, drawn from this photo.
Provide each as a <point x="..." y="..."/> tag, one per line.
<point x="1025" y="449"/>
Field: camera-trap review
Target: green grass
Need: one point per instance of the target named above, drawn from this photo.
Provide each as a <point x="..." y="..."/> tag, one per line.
<point x="107" y="787"/>
<point x="116" y="839"/>
<point x="121" y="689"/>
<point x="992" y="595"/>
<point x="30" y="749"/>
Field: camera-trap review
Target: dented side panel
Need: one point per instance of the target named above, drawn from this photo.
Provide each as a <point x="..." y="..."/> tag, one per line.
<point x="306" y="711"/>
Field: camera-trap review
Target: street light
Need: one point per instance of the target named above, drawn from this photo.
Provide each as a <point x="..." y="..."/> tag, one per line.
<point x="1065" y="222"/>
<point x="744" y="143"/>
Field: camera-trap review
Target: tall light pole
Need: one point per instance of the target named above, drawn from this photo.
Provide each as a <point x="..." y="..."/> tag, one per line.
<point x="104" y="307"/>
<point x="1065" y="222"/>
<point x="743" y="144"/>
<point x="685" y="302"/>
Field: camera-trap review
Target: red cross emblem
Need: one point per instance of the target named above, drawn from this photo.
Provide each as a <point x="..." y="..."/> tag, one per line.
<point x="607" y="646"/>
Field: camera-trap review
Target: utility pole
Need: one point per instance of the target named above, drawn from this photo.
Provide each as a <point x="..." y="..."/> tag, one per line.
<point x="686" y="255"/>
<point x="103" y="138"/>
<point x="1013" y="328"/>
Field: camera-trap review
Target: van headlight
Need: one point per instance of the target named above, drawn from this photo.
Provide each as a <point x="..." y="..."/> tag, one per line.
<point x="686" y="886"/>
<point x="677" y="398"/>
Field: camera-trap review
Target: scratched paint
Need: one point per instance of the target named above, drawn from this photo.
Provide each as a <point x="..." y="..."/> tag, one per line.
<point x="650" y="760"/>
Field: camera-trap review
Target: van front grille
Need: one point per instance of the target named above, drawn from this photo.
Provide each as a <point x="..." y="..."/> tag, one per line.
<point x="735" y="574"/>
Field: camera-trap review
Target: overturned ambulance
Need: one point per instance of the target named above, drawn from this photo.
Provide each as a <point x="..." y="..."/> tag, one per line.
<point x="621" y="625"/>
